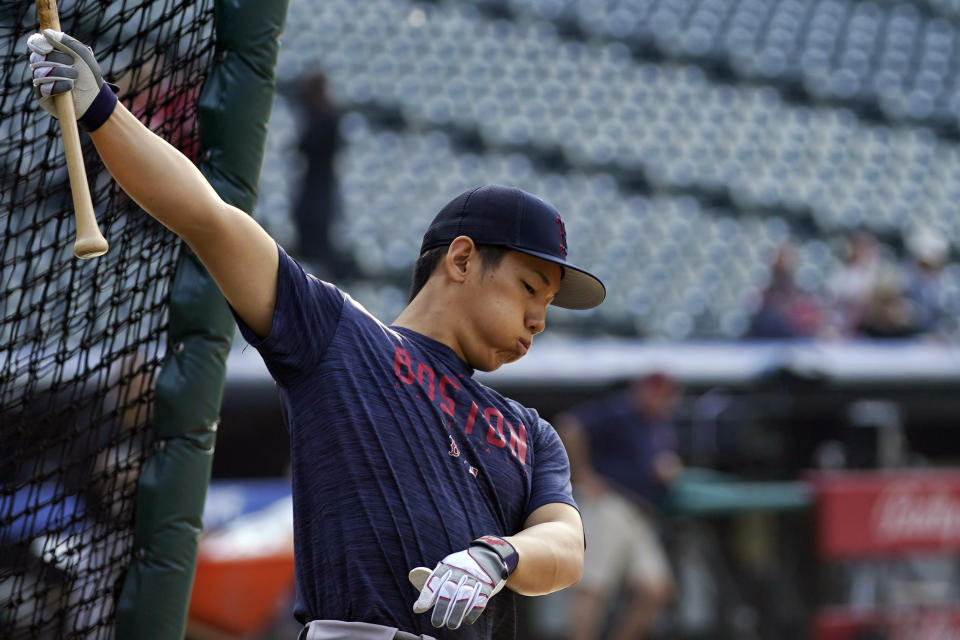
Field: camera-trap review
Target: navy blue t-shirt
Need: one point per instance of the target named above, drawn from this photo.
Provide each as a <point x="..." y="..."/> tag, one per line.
<point x="624" y="444"/>
<point x="399" y="458"/>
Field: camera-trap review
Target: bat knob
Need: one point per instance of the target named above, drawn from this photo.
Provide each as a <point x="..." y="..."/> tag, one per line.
<point x="85" y="248"/>
<point x="418" y="577"/>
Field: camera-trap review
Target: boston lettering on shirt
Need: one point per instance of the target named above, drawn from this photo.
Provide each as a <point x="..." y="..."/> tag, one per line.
<point x="399" y="458"/>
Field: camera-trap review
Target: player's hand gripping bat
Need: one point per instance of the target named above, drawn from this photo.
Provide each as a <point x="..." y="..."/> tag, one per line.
<point x="89" y="241"/>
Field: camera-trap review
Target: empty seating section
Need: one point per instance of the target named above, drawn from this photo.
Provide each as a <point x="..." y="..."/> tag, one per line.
<point x="677" y="265"/>
<point x="519" y="84"/>
<point x="674" y="265"/>
<point x="947" y="8"/>
<point x="893" y="54"/>
<point x="674" y="269"/>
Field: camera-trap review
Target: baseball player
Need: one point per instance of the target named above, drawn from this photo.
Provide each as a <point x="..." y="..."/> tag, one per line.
<point x="419" y="493"/>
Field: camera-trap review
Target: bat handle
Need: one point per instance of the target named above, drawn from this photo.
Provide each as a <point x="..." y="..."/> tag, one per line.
<point x="90" y="243"/>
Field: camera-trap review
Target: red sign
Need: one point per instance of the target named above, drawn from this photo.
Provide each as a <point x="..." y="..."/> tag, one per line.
<point x="885" y="514"/>
<point x="924" y="624"/>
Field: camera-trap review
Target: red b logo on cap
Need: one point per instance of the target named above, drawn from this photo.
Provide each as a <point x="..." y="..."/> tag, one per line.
<point x="563" y="237"/>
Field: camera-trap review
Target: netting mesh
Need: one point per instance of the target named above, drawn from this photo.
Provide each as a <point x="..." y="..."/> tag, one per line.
<point x="81" y="342"/>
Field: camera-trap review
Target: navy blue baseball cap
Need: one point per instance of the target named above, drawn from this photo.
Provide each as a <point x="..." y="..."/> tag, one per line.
<point x="510" y="217"/>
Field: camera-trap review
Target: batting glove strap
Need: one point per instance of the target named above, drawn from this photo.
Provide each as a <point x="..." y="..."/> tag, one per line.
<point x="504" y="550"/>
<point x="100" y="109"/>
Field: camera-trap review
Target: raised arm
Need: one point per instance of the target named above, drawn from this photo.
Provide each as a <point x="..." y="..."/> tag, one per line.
<point x="240" y="255"/>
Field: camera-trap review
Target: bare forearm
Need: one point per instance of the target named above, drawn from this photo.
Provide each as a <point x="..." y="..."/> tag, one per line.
<point x="238" y="253"/>
<point x="157" y="176"/>
<point x="551" y="558"/>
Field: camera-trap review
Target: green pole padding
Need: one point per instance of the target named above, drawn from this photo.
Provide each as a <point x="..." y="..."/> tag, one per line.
<point x="234" y="109"/>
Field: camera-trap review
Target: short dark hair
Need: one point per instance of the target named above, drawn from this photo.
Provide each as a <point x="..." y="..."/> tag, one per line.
<point x="491" y="255"/>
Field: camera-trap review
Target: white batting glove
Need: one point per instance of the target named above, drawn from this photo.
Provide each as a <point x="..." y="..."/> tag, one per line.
<point x="460" y="586"/>
<point x="61" y="63"/>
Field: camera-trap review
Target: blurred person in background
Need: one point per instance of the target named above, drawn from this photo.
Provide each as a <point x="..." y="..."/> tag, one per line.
<point x="887" y="313"/>
<point x="623" y="456"/>
<point x="786" y="310"/>
<point x="851" y="287"/>
<point x="923" y="280"/>
<point x="316" y="202"/>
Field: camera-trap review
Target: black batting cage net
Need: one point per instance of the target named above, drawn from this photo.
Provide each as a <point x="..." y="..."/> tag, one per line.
<point x="81" y="342"/>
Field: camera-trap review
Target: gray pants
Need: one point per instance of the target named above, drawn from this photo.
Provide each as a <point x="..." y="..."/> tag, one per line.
<point x="340" y="630"/>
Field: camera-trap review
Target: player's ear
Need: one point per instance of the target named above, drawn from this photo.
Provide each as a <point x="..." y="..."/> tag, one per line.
<point x="461" y="253"/>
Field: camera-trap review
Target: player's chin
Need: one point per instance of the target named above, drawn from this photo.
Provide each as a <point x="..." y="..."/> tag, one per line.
<point x="498" y="359"/>
<point x="510" y="356"/>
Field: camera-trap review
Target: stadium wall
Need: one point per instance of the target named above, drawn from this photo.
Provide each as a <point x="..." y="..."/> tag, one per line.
<point x="799" y="392"/>
<point x="233" y="113"/>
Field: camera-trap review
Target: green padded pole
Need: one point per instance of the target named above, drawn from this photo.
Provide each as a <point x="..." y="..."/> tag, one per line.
<point x="234" y="110"/>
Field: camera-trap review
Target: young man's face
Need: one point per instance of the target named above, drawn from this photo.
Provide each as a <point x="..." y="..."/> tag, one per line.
<point x="504" y="307"/>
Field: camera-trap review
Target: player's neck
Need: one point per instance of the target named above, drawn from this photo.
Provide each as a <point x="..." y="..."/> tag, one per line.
<point x="428" y="317"/>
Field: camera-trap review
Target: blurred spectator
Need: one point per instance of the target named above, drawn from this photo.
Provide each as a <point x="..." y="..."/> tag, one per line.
<point x="887" y="313"/>
<point x="851" y="287"/>
<point x="786" y="311"/>
<point x="316" y="203"/>
<point x="622" y="457"/>
<point x="928" y="253"/>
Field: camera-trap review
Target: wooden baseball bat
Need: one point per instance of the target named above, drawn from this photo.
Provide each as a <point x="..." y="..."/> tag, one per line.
<point x="90" y="243"/>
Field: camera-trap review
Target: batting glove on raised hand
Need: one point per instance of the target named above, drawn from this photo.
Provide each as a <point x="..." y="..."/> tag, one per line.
<point x="460" y="586"/>
<point x="61" y="63"/>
